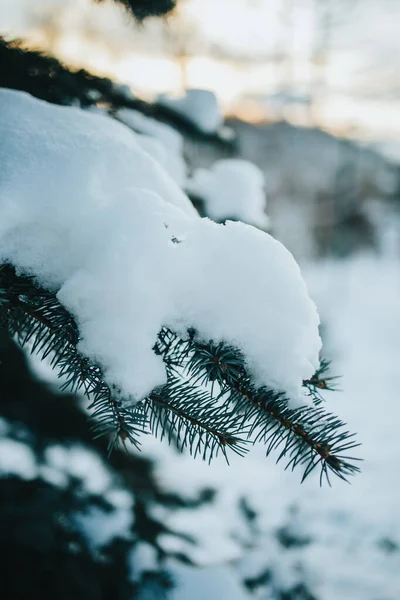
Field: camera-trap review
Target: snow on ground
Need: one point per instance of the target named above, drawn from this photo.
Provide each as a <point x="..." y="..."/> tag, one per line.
<point x="231" y="189"/>
<point x="353" y="530"/>
<point x="91" y="215"/>
<point x="198" y="106"/>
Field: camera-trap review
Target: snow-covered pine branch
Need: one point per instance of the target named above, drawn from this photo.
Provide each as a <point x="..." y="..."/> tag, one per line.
<point x="232" y="188"/>
<point x="101" y="237"/>
<point x="199" y="107"/>
<point x="30" y="70"/>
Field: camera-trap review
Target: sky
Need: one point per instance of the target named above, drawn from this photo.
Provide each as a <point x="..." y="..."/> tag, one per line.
<point x="254" y="54"/>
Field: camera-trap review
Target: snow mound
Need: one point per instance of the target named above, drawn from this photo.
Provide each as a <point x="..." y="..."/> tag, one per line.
<point x="198" y="106"/>
<point x="214" y="582"/>
<point x="166" y="146"/>
<point x="231" y="188"/>
<point x="93" y="217"/>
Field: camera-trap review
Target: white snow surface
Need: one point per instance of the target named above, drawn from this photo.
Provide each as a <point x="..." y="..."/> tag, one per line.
<point x="198" y="106"/>
<point x="213" y="582"/>
<point x="231" y="188"/>
<point x="92" y="216"/>
<point x="17" y="458"/>
<point x="158" y="139"/>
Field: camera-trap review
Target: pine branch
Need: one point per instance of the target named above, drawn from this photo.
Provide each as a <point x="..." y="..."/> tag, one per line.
<point x="31" y="70"/>
<point x="208" y="404"/>
<point x="203" y="431"/>
<point x="35" y="316"/>
<point x="309" y="436"/>
<point x="321" y="381"/>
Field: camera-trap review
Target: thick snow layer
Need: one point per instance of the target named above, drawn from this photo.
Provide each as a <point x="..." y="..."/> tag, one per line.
<point x="198" y="106"/>
<point x="231" y="188"/>
<point x="92" y="216"/>
<point x="163" y="143"/>
<point x="142" y="124"/>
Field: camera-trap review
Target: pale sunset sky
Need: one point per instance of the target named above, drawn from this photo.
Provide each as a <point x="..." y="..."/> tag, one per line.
<point x="344" y="54"/>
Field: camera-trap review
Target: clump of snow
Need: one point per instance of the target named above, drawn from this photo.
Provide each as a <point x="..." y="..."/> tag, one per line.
<point x="227" y="133"/>
<point x="101" y="526"/>
<point x="92" y="216"/>
<point x="198" y="106"/>
<point x="17" y="458"/>
<point x="80" y="463"/>
<point x="143" y="557"/>
<point x="231" y="188"/>
<point x="213" y="582"/>
<point x="161" y="141"/>
<point x="142" y="124"/>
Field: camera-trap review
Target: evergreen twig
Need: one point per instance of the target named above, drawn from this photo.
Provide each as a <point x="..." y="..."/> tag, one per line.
<point x="30" y="70"/>
<point x="209" y="403"/>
